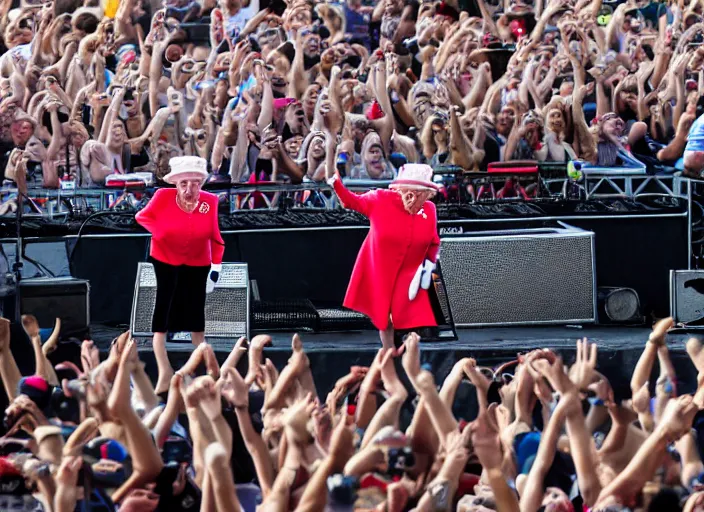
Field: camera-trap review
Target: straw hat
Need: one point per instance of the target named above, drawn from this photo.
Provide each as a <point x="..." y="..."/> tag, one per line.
<point x="187" y="167"/>
<point x="418" y="176"/>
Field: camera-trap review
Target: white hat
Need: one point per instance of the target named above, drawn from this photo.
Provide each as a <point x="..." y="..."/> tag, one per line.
<point x="185" y="167"/>
<point x="418" y="176"/>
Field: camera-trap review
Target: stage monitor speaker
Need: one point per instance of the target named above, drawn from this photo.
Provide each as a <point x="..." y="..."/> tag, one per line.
<point x="521" y="277"/>
<point x="48" y="298"/>
<point x="687" y="297"/>
<point x="619" y="306"/>
<point x="226" y="308"/>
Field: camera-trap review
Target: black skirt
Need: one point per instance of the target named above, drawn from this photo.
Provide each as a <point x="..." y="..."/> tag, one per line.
<point x="180" y="297"/>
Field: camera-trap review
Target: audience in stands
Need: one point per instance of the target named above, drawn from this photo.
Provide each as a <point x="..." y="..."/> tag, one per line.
<point x="102" y="88"/>
<point x="96" y="435"/>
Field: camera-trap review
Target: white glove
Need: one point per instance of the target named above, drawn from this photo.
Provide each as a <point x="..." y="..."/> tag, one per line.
<point x="421" y="279"/>
<point x="213" y="277"/>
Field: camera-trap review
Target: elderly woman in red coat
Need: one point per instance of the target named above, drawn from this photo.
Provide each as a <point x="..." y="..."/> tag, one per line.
<point x="186" y="251"/>
<point x="393" y="270"/>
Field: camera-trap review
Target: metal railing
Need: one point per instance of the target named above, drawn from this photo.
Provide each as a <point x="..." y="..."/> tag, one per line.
<point x="53" y="204"/>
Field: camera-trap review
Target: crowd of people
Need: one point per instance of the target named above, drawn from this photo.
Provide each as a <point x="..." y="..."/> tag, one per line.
<point x="95" y="89"/>
<point x="97" y="435"/>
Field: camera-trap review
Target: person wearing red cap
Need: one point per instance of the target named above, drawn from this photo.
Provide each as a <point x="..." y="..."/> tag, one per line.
<point x="186" y="251"/>
<point x="392" y="274"/>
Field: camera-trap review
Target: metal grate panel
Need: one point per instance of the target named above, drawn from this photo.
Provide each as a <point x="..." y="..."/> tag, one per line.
<point x="521" y="278"/>
<point x="226" y="309"/>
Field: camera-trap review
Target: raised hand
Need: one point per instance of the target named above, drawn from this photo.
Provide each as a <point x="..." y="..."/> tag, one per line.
<point x="234" y="389"/>
<point x="458" y="444"/>
<point x="211" y="362"/>
<point x="322" y="424"/>
<point x="267" y="377"/>
<point x="238" y="350"/>
<point x="256" y="348"/>
<point x="351" y="380"/>
<point x="209" y="396"/>
<point x="198" y="392"/>
<point x="641" y="399"/>
<point x="485" y="438"/>
<point x="582" y="371"/>
<point x="696" y="354"/>
<point x="660" y="331"/>
<point x="53" y="342"/>
<point x="604" y="392"/>
<point x="119" y="401"/>
<point x="116" y="349"/>
<point x="388" y="375"/>
<point x="296" y="419"/>
<point x="424" y="382"/>
<point x="476" y="377"/>
<point x="30" y="325"/>
<point x="90" y="356"/>
<point x="555" y="375"/>
<point x="299" y="359"/>
<point x="67" y="474"/>
<point x="23" y="407"/>
<point x="677" y="418"/>
<point x="198" y="356"/>
<point x="411" y="357"/>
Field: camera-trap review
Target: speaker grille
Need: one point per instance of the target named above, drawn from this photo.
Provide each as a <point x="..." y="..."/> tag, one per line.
<point x="226" y="309"/>
<point x="622" y="305"/>
<point x="687" y="296"/>
<point x="517" y="278"/>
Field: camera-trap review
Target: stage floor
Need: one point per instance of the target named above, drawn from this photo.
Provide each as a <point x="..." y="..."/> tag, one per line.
<point x="331" y="354"/>
<point x="486" y="339"/>
<point x="480" y="339"/>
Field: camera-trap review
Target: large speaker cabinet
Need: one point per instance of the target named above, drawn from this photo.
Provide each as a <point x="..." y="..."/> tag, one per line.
<point x="521" y="277"/>
<point x="226" y="309"/>
<point x="50" y="297"/>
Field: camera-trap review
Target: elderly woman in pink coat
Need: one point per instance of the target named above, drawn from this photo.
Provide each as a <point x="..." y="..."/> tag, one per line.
<point x="392" y="274"/>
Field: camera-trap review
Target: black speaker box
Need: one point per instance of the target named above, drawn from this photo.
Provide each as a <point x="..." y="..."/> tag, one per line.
<point x="48" y="298"/>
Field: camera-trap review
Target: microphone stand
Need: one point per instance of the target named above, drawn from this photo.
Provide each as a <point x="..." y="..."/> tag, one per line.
<point x="17" y="266"/>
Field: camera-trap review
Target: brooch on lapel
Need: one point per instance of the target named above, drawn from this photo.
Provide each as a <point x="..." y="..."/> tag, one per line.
<point x="422" y="212"/>
<point x="204" y="208"/>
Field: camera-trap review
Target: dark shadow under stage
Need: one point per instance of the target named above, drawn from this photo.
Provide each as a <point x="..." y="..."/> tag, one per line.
<point x="332" y="354"/>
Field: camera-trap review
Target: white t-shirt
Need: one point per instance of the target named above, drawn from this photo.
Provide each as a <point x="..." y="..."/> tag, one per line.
<point x="238" y="21"/>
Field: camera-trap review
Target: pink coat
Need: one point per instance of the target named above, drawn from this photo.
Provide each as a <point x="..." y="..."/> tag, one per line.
<point x="180" y="238"/>
<point x="396" y="245"/>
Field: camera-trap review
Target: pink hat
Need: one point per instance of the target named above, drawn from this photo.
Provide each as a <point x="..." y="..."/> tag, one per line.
<point x="415" y="176"/>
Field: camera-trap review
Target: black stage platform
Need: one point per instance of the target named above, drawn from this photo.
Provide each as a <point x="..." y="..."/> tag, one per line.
<point x="331" y="354"/>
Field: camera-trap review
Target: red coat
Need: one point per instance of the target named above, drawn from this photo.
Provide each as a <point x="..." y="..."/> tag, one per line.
<point x="180" y="238"/>
<point x="396" y="245"/>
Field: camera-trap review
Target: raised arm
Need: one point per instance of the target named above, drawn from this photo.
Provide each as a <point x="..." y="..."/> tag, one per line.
<point x="363" y="203"/>
<point x="9" y="372"/>
<point x="534" y="487"/>
<point x="236" y="393"/>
